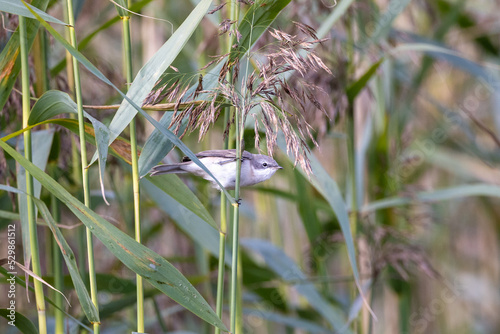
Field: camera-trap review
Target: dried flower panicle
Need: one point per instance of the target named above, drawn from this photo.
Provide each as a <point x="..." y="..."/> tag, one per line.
<point x="390" y="247"/>
<point x="282" y="106"/>
<point x="217" y="8"/>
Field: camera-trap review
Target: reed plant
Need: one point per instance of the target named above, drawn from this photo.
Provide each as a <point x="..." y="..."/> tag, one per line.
<point x="383" y="116"/>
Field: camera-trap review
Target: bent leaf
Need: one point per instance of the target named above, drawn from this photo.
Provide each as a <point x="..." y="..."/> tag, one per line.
<point x="480" y="189"/>
<point x="16" y="7"/>
<point x="55" y="102"/>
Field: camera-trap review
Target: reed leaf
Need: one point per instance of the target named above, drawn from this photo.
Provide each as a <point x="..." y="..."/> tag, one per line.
<point x="54" y="103"/>
<point x="447" y="194"/>
<point x="17" y="7"/>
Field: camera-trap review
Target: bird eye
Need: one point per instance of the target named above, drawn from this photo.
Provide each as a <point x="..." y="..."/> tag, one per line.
<point x="264" y="164"/>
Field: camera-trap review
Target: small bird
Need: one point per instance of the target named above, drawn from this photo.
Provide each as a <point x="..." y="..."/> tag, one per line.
<point x="255" y="168"/>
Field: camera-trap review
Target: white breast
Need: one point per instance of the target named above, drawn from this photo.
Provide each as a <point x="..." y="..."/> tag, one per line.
<point x="224" y="172"/>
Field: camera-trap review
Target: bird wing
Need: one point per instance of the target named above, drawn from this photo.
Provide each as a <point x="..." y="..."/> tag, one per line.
<point x="228" y="154"/>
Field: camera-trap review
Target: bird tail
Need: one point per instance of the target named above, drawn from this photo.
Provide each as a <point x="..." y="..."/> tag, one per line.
<point x="167" y="169"/>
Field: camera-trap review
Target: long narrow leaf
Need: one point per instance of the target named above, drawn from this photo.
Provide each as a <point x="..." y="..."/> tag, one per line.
<point x="54" y="103"/>
<point x="481" y="189"/>
<point x="334" y="16"/>
<point x="16" y="7"/>
<point x="384" y="21"/>
<point x="256" y="21"/>
<point x="150" y="73"/>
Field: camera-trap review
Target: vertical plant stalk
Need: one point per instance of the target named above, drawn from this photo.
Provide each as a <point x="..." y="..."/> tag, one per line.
<point x="41" y="86"/>
<point x="127" y="54"/>
<point x="236" y="227"/>
<point x="83" y="155"/>
<point x="71" y="85"/>
<point x="57" y="260"/>
<point x="233" y="15"/>
<point x="222" y="255"/>
<point x="351" y="155"/>
<point x="351" y="146"/>
<point x="75" y="157"/>
<point x="40" y="302"/>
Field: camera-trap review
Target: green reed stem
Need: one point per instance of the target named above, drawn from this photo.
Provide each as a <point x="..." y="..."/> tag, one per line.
<point x="236" y="323"/>
<point x="41" y="86"/>
<point x="83" y="156"/>
<point x="75" y="159"/>
<point x="25" y="77"/>
<point x="351" y="146"/>
<point x="233" y="15"/>
<point x="127" y="54"/>
<point x="222" y="256"/>
<point x="57" y="261"/>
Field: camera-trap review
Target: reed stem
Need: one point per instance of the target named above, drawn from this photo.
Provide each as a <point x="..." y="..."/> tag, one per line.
<point x="57" y="269"/>
<point x="83" y="160"/>
<point x="233" y="16"/>
<point x="236" y="226"/>
<point x="25" y="78"/>
<point x="127" y="54"/>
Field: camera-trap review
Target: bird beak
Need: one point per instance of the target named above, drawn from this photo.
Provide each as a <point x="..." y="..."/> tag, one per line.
<point x="279" y="167"/>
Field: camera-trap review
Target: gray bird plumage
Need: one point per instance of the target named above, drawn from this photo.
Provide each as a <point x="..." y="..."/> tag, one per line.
<point x="255" y="168"/>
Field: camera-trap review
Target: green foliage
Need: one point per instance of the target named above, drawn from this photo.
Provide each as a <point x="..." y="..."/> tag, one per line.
<point x="402" y="202"/>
